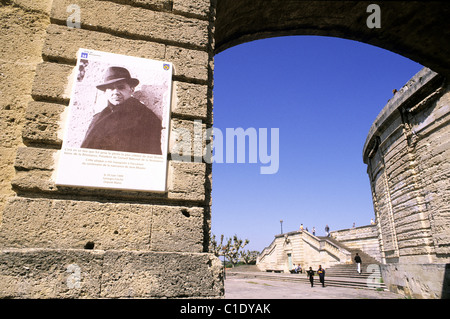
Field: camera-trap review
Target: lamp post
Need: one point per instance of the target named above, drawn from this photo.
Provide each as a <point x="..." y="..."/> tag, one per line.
<point x="281" y="223"/>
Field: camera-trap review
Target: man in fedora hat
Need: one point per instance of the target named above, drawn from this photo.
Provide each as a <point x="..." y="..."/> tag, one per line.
<point x="126" y="124"/>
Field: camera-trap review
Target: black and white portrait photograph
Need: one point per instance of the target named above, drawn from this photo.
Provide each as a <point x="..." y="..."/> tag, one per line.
<point x="117" y="121"/>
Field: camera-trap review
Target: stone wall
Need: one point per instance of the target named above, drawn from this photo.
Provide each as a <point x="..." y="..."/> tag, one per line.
<point x="420" y="281"/>
<point x="407" y="153"/>
<point x="364" y="238"/>
<point x="59" y="242"/>
<point x="22" y="36"/>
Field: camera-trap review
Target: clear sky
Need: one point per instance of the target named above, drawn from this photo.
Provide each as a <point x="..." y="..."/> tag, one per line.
<point x="323" y="95"/>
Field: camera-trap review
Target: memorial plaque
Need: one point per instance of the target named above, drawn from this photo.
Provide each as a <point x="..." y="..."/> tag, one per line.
<point x="116" y="131"/>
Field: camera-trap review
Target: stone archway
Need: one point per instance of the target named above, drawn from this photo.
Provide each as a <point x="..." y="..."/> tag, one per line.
<point x="407" y="147"/>
<point x="416" y="30"/>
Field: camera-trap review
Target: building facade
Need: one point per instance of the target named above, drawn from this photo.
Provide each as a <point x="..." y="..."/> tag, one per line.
<point x="408" y="161"/>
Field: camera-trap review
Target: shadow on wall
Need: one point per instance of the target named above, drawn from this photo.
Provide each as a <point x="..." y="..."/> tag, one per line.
<point x="446" y="284"/>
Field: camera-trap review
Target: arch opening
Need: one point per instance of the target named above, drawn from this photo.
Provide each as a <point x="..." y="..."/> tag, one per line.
<point x="323" y="93"/>
<point x="415" y="30"/>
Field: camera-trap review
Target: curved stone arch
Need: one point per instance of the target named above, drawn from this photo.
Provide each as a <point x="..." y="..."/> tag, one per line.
<point x="416" y="30"/>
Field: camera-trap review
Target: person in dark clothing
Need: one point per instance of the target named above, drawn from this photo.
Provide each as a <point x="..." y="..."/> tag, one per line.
<point x="321" y="273"/>
<point x="358" y="263"/>
<point x="126" y="124"/>
<point x="310" y="274"/>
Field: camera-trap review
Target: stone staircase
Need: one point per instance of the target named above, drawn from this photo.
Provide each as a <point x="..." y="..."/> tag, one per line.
<point x="336" y="276"/>
<point x="347" y="275"/>
<point x="366" y="259"/>
<point x="341" y="275"/>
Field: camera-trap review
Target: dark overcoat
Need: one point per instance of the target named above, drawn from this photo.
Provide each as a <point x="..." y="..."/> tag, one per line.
<point x="127" y="127"/>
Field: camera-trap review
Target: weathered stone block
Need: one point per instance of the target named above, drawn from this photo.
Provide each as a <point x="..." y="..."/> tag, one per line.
<point x="391" y="129"/>
<point x="66" y="224"/>
<point x="40" y="274"/>
<point x="177" y="229"/>
<point x="7" y="174"/>
<point x="188" y="64"/>
<point x="198" y="8"/>
<point x="29" y="158"/>
<point x="136" y="22"/>
<point x="10" y="128"/>
<point x="62" y="43"/>
<point x="187" y="140"/>
<point x="61" y="224"/>
<point x="52" y="82"/>
<point x="23" y="32"/>
<point x="74" y="273"/>
<point x="42" y="6"/>
<point x="15" y="86"/>
<point x="187" y="181"/>
<point x="147" y="274"/>
<point x="42" y="123"/>
<point x="158" y="5"/>
<point x="190" y="100"/>
<point x="35" y="181"/>
<point x="395" y="149"/>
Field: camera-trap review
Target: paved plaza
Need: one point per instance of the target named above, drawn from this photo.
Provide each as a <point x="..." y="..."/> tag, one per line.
<point x="255" y="288"/>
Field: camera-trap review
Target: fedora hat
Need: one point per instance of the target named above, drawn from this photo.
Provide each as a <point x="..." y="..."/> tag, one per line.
<point x="115" y="74"/>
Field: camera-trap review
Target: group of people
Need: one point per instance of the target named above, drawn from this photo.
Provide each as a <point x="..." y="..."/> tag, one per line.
<point x="296" y="269"/>
<point x="321" y="272"/>
<point x="327" y="230"/>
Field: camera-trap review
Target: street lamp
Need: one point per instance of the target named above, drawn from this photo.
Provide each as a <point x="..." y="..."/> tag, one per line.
<point x="281" y="223"/>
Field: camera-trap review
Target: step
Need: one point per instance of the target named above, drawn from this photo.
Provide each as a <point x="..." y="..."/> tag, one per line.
<point x="366" y="259"/>
<point x="340" y="273"/>
<point x="334" y="283"/>
<point x="358" y="282"/>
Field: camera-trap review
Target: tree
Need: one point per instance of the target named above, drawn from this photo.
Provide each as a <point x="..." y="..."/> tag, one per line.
<point x="249" y="256"/>
<point x="214" y="247"/>
<point x="231" y="249"/>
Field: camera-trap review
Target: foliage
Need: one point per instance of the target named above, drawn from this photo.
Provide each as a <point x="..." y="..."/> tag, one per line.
<point x="232" y="249"/>
<point x="249" y="256"/>
<point x="214" y="247"/>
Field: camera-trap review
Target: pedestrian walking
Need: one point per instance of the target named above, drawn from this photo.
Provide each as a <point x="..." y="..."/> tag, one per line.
<point x="310" y="275"/>
<point x="321" y="273"/>
<point x="358" y="262"/>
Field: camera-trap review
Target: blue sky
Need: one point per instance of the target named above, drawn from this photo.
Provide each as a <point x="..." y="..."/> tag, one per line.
<point x="323" y="94"/>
